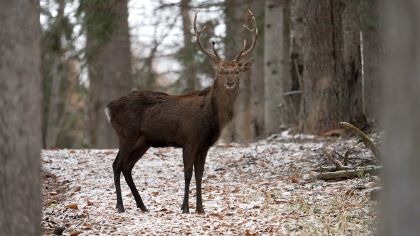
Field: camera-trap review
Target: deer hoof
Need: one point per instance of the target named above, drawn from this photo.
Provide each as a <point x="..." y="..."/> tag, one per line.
<point x="120" y="209"/>
<point x="185" y="209"/>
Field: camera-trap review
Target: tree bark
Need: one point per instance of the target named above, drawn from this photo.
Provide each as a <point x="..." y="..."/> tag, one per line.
<point x="243" y="120"/>
<point x="372" y="58"/>
<point x="54" y="76"/>
<point x="352" y="57"/>
<point x="234" y="15"/>
<point x="257" y="74"/>
<point x="275" y="71"/>
<point x="325" y="99"/>
<point x="20" y="119"/>
<point x="109" y="61"/>
<point x="188" y="52"/>
<point x="293" y="92"/>
<point x="401" y="105"/>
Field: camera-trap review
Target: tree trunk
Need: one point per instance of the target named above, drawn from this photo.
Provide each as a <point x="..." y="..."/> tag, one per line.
<point x="293" y="92"/>
<point x="372" y="57"/>
<point x="275" y="71"/>
<point x="109" y="60"/>
<point x="352" y="58"/>
<point x="325" y="91"/>
<point x="234" y="15"/>
<point x="401" y="104"/>
<point x="54" y="76"/>
<point x="243" y="119"/>
<point x="257" y="74"/>
<point x="20" y="119"/>
<point x="188" y="52"/>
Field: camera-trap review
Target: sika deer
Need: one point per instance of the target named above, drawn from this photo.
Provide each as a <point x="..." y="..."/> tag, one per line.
<point x="192" y="121"/>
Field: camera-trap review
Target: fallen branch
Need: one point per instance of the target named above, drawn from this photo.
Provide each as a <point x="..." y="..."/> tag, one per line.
<point x="329" y="168"/>
<point x="350" y="173"/>
<point x="345" y="157"/>
<point x="365" y="139"/>
<point x="337" y="163"/>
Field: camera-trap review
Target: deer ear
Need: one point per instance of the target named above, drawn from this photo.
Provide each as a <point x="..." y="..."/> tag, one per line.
<point x="245" y="66"/>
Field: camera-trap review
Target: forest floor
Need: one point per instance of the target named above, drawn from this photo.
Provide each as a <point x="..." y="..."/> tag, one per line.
<point x="262" y="188"/>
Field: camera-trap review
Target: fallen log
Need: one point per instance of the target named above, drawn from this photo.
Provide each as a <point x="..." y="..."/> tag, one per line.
<point x="350" y="173"/>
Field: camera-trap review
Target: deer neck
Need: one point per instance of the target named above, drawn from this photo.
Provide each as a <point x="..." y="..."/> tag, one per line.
<point x="223" y="103"/>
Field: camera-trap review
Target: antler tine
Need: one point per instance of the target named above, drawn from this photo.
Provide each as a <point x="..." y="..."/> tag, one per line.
<point x="254" y="39"/>
<point x="215" y="56"/>
<point x="214" y="49"/>
<point x="242" y="51"/>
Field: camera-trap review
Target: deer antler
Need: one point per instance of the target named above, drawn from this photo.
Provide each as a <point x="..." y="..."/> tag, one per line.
<point x="242" y="51"/>
<point x="214" y="49"/>
<point x="215" y="56"/>
<point x="254" y="39"/>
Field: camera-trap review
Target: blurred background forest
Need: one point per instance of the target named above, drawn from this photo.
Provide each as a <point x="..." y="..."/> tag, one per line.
<point x="316" y="63"/>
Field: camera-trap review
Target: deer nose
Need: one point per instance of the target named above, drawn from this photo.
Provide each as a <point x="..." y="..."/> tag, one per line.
<point x="230" y="83"/>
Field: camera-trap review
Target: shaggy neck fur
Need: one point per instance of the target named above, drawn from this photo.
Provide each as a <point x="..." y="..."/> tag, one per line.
<point x="224" y="101"/>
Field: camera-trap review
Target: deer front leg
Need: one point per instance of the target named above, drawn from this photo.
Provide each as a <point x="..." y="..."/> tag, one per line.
<point x="185" y="204"/>
<point x="199" y="170"/>
<point x="188" y="157"/>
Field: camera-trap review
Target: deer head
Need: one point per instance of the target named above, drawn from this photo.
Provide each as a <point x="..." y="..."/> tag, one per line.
<point x="227" y="71"/>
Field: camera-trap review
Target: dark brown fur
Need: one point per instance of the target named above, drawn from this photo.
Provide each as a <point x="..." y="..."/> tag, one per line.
<point x="163" y="120"/>
<point x="192" y="121"/>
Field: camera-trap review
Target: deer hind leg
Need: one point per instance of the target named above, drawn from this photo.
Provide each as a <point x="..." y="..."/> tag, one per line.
<point x="117" y="168"/>
<point x="188" y="155"/>
<point x="129" y="163"/>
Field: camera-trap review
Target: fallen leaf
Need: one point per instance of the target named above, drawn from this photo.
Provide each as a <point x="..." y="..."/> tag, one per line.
<point x="73" y="206"/>
<point x="75" y="233"/>
<point x="295" y="179"/>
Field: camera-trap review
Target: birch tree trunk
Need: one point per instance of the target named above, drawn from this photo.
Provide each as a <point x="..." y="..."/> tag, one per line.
<point x="20" y="118"/>
<point x="401" y="105"/>
<point x="274" y="70"/>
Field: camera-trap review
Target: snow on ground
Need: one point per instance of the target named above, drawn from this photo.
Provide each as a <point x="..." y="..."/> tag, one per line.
<point x="262" y="188"/>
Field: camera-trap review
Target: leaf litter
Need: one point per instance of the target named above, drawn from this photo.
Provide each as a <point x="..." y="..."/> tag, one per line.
<point x="261" y="188"/>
